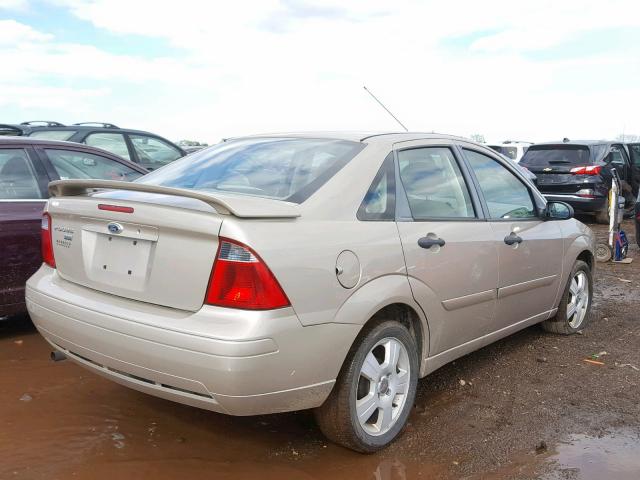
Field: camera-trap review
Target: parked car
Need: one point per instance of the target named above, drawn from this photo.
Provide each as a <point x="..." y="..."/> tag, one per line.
<point x="320" y="271"/>
<point x="633" y="149"/>
<point x="511" y="149"/>
<point x="27" y="165"/>
<point x="144" y="148"/>
<point x="579" y="173"/>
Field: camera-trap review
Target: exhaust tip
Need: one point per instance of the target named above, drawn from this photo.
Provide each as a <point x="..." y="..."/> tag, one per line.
<point x="58" y="356"/>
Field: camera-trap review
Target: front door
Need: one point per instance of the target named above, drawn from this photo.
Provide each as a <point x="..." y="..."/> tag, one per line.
<point x="529" y="249"/>
<point x="449" y="250"/>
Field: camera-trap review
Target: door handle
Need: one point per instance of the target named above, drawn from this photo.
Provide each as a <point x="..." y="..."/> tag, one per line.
<point x="512" y="238"/>
<point x="428" y="242"/>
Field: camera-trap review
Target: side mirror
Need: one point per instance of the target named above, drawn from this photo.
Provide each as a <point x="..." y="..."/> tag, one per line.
<point x="558" y="211"/>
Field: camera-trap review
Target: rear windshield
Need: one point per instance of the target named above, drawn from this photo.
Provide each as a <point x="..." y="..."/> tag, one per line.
<point x="53" y="134"/>
<point x="509" y="152"/>
<point x="544" y="155"/>
<point x="281" y="168"/>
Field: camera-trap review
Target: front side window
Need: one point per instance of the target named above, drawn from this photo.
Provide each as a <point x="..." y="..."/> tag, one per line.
<point x="506" y="196"/>
<point x="18" y="180"/>
<point x="73" y="164"/>
<point x="111" y="142"/>
<point x="616" y="158"/>
<point x="53" y="134"/>
<point x="433" y="183"/>
<point x="635" y="154"/>
<point x="152" y="152"/>
<point x="281" y="168"/>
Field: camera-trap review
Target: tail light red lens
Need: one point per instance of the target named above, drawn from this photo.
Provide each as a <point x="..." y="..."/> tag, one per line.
<point x="46" y="241"/>
<point x="241" y="279"/>
<point x="588" y="170"/>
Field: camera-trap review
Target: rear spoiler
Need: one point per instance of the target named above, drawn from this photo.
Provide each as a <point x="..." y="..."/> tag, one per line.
<point x="239" y="206"/>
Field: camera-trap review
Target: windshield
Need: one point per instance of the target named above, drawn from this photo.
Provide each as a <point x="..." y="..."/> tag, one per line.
<point x="542" y="156"/>
<point x="280" y="168"/>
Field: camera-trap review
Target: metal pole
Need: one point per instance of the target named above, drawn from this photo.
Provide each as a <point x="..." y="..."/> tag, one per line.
<point x="388" y="111"/>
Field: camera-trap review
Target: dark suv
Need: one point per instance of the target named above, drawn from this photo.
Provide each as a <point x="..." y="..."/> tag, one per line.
<point x="147" y="149"/>
<point x="579" y="173"/>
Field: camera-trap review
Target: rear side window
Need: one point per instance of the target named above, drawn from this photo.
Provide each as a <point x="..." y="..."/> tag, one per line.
<point x="506" y="196"/>
<point x="73" y="164"/>
<point x="53" y="134"/>
<point x="433" y="183"/>
<point x="281" y="168"/>
<point x="546" y="155"/>
<point x="111" y="142"/>
<point x="152" y="152"/>
<point x="18" y="180"/>
<point x="380" y="201"/>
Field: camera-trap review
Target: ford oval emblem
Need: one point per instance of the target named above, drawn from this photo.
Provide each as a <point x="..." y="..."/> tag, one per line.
<point x="114" y="227"/>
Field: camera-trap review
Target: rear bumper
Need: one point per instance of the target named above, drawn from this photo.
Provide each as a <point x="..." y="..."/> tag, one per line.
<point x="579" y="204"/>
<point x="228" y="361"/>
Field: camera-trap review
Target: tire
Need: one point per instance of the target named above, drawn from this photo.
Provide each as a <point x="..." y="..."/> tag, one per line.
<point x="566" y="321"/>
<point x="338" y="416"/>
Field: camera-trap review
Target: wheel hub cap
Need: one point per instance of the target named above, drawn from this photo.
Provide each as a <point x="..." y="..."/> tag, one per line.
<point x="383" y="386"/>
<point x="578" y="303"/>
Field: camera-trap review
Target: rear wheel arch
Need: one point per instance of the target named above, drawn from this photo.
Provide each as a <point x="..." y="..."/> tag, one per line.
<point x="405" y="315"/>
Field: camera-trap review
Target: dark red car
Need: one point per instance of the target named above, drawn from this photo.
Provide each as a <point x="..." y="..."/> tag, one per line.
<point x="27" y="165"/>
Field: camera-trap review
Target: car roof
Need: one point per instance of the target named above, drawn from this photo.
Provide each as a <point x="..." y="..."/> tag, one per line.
<point x="79" y="128"/>
<point x="360" y="136"/>
<point x="583" y="143"/>
<point x="23" y="140"/>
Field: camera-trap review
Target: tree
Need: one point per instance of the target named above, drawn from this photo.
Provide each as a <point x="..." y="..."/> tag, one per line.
<point x="625" y="137"/>
<point x="477" y="137"/>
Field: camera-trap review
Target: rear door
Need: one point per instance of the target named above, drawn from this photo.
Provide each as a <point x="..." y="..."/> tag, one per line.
<point x="634" y="157"/>
<point x="23" y="183"/>
<point x="529" y="249"/>
<point x="448" y="246"/>
<point x="617" y="158"/>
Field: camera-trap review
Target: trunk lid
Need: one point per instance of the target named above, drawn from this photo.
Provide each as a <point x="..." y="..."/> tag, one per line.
<point x="158" y="249"/>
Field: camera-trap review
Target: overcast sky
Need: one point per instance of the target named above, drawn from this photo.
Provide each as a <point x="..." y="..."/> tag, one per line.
<point x="531" y="70"/>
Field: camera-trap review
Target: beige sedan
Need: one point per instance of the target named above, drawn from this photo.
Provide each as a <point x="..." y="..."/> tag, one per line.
<point x="319" y="271"/>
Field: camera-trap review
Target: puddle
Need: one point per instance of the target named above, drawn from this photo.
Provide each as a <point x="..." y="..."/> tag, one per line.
<point x="613" y="456"/>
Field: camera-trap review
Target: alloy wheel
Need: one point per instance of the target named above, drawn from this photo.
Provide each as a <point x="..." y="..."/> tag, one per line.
<point x="383" y="386"/>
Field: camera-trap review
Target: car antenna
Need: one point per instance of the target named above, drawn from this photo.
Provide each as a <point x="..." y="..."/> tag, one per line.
<point x="388" y="111"/>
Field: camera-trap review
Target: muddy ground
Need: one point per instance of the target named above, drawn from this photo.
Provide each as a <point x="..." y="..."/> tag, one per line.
<point x="528" y="406"/>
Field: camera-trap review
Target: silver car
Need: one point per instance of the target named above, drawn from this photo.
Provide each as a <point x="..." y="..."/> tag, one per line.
<point x="306" y="271"/>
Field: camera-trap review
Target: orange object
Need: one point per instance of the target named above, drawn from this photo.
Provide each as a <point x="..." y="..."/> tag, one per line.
<point x="595" y="362"/>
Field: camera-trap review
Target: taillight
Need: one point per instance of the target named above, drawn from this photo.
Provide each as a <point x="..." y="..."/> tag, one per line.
<point x="46" y="241"/>
<point x="241" y="279"/>
<point x="588" y="170"/>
